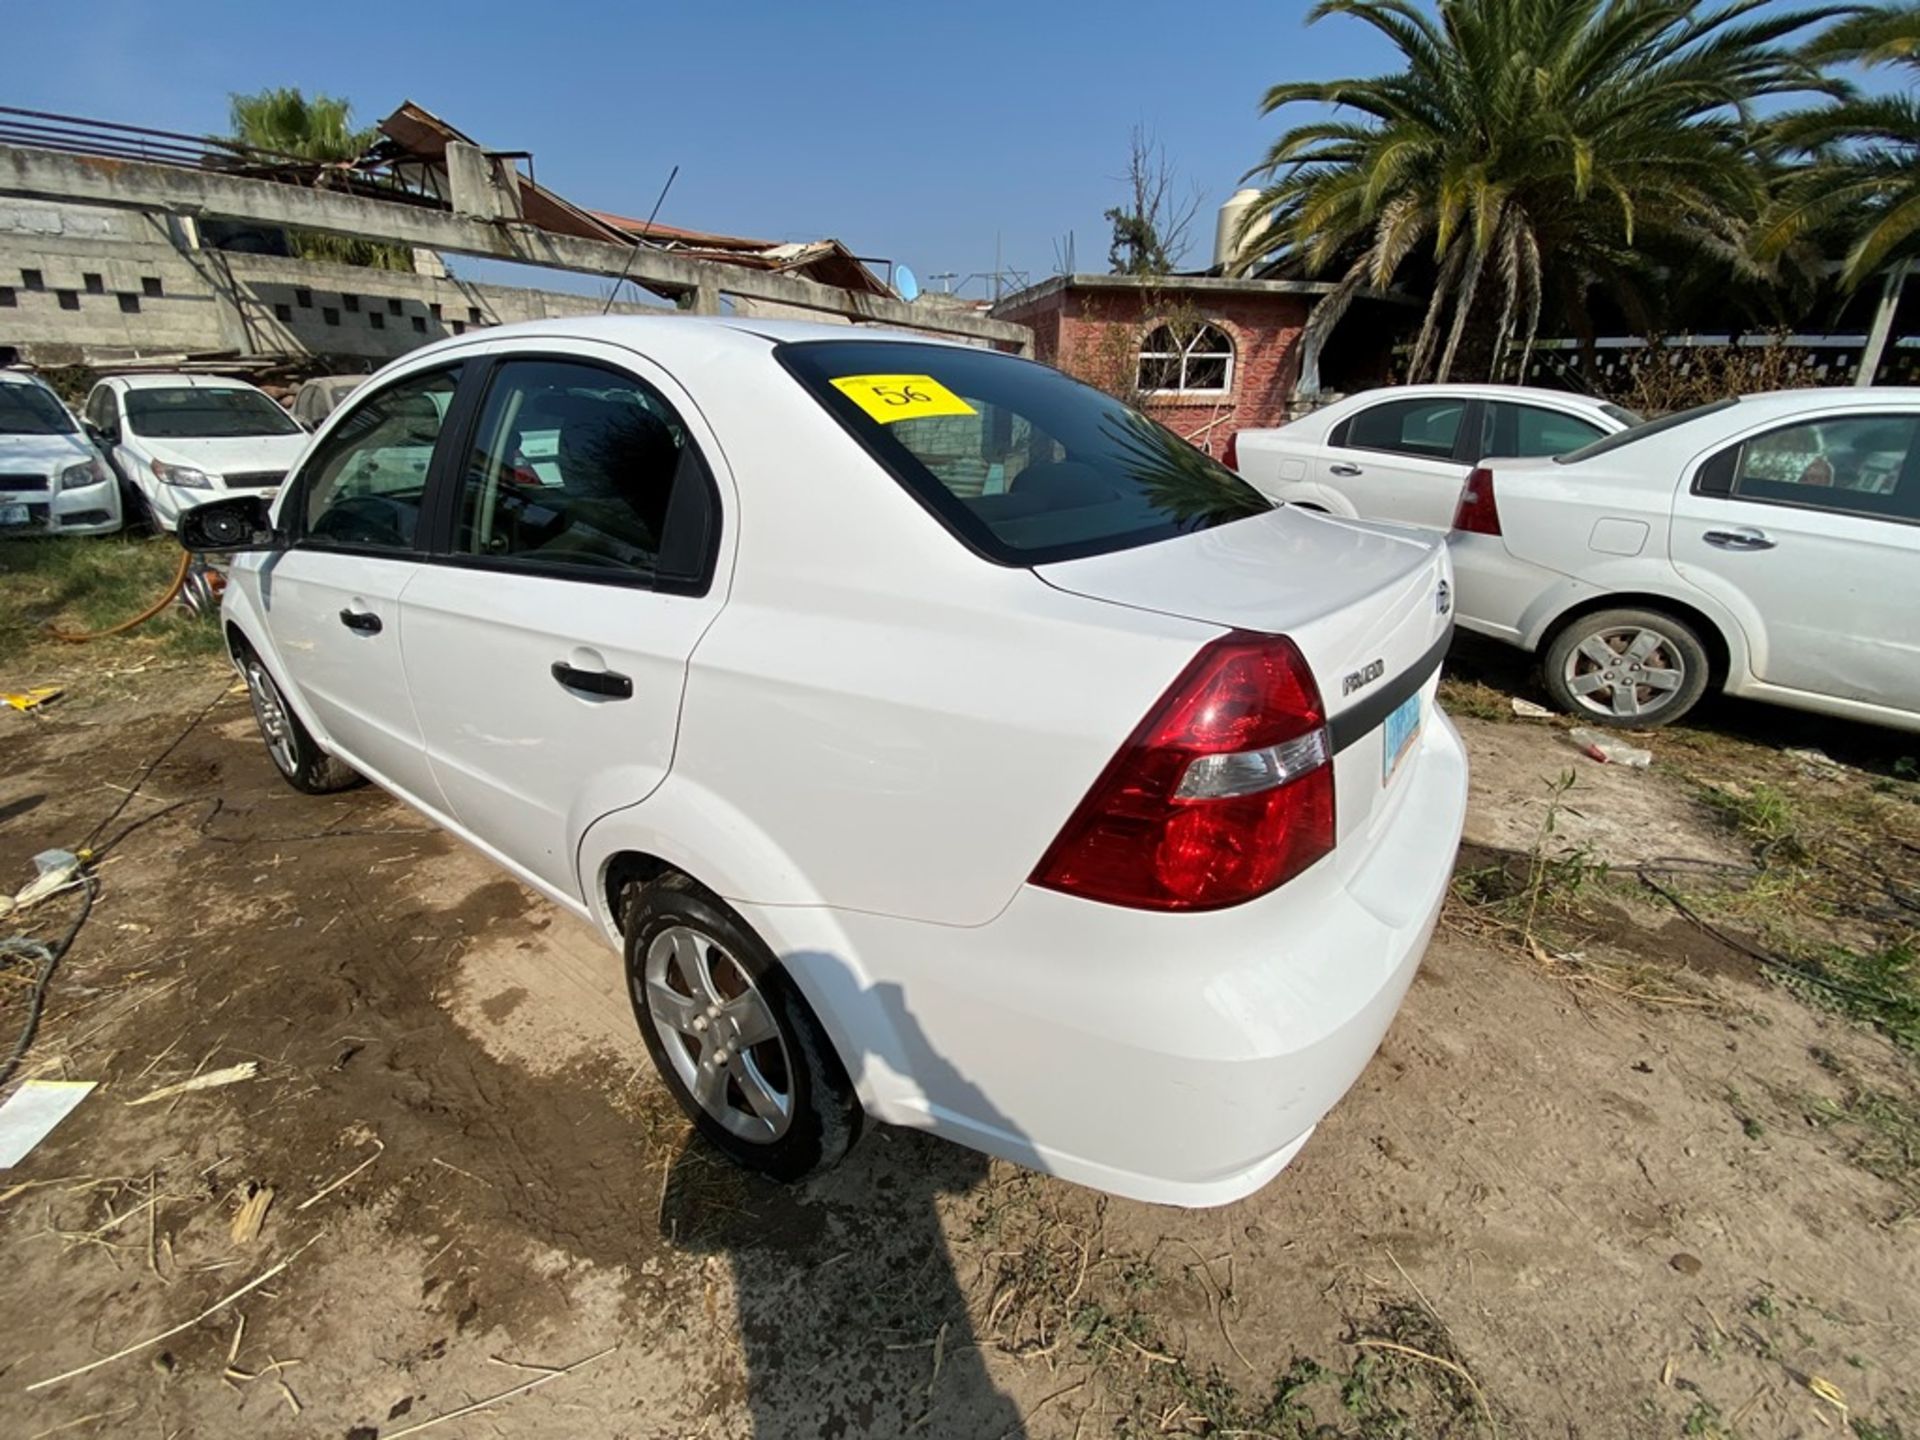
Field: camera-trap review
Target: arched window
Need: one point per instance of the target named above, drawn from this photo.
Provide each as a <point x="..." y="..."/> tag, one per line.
<point x="1196" y="362"/>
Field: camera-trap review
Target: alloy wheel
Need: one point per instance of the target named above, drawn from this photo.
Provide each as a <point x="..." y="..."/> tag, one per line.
<point x="719" y="1033"/>
<point x="1625" y="671"/>
<point x="276" y="726"/>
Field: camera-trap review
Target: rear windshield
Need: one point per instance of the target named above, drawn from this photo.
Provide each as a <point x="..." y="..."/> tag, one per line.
<point x="197" y="413"/>
<point x="1640" y="432"/>
<point x="1021" y="463"/>
<point x="29" y="410"/>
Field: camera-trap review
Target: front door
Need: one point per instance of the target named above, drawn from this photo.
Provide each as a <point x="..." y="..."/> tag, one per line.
<point x="332" y="599"/>
<point x="547" y="647"/>
<point x="1810" y="532"/>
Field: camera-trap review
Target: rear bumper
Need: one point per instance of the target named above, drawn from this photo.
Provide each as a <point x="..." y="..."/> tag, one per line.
<point x="1500" y="595"/>
<point x="1181" y="1059"/>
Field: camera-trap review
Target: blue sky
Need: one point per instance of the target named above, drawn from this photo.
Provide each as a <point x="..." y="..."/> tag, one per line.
<point x="917" y="132"/>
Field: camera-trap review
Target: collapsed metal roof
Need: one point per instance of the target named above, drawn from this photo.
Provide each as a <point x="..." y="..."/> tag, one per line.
<point x="415" y="147"/>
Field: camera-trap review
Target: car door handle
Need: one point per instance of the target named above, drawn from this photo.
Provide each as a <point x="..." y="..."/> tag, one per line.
<point x="363" y="621"/>
<point x="1343" y="469"/>
<point x="1739" y="539"/>
<point x="607" y="684"/>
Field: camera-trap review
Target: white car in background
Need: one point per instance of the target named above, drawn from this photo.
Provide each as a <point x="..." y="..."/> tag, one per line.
<point x="180" y="439"/>
<point x="937" y="739"/>
<point x="1768" y="546"/>
<point x="52" y="480"/>
<point x="1402" y="453"/>
<point x="321" y="396"/>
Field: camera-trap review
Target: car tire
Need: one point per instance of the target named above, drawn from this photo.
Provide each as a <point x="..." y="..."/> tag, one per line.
<point x="733" y="1038"/>
<point x="1632" y="669"/>
<point x="295" y="753"/>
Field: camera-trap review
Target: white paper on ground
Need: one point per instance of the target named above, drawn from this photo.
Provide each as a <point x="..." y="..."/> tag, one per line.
<point x="32" y="1111"/>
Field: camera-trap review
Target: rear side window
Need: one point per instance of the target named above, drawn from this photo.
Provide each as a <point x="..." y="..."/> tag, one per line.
<point x="1020" y="462"/>
<point x="1519" y="432"/>
<point x="575" y="468"/>
<point x="1427" y="428"/>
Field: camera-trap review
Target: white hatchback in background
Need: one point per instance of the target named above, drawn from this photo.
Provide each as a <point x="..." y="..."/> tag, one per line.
<point x="179" y="440"/>
<point x="938" y="739"/>
<point x="1402" y="453"/>
<point x="1769" y="546"/>
<point x="52" y="480"/>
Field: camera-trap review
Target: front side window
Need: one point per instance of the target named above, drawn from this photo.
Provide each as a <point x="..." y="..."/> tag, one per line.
<point x="201" y="412"/>
<point x="361" y="487"/>
<point x="1186" y="360"/>
<point x="1857" y="464"/>
<point x="1427" y="428"/>
<point x="1020" y="462"/>
<point x="573" y="467"/>
<point x="1518" y="432"/>
<point x="101" y="412"/>
<point x="30" y="410"/>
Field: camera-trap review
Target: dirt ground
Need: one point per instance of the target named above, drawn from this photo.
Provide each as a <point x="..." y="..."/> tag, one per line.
<point x="1617" y="1185"/>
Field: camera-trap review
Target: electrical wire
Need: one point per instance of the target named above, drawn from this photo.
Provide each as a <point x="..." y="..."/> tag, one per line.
<point x="49" y="956"/>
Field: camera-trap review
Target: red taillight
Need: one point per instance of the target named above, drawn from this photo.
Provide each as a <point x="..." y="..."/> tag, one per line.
<point x="1478" y="514"/>
<point x="1230" y="457"/>
<point x="1223" y="793"/>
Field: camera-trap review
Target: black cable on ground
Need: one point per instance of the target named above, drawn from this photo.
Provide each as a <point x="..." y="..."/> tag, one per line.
<point x="1772" y="962"/>
<point x="49" y="957"/>
<point x="147" y="770"/>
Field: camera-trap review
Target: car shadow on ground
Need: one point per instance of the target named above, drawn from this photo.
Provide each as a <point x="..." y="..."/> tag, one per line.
<point x="853" y="1322"/>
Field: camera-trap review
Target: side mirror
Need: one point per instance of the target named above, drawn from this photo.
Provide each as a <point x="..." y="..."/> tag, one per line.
<point x="228" y="526"/>
<point x="100" y="436"/>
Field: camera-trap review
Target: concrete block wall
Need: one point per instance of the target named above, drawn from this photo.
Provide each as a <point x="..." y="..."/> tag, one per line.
<point x="86" y="284"/>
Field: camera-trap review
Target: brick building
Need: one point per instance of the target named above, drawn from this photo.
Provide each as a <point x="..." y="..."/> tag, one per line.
<point x="1202" y="354"/>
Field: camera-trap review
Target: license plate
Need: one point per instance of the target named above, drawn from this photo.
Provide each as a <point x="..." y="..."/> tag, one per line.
<point x="1402" y="729"/>
<point x="13" y="514"/>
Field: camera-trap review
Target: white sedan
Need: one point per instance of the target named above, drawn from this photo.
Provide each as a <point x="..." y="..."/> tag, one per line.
<point x="937" y="739"/>
<point x="1769" y="546"/>
<point x="52" y="480"/>
<point x="180" y="439"/>
<point x="1402" y="453"/>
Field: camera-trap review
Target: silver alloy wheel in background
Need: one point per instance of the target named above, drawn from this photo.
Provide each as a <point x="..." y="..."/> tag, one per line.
<point x="276" y="726"/>
<point x="719" y="1033"/>
<point x="1625" y="671"/>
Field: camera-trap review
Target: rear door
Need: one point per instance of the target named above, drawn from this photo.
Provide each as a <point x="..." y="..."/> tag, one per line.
<point x="575" y="571"/>
<point x="1810" y="533"/>
<point x="332" y="598"/>
<point x="1400" y="459"/>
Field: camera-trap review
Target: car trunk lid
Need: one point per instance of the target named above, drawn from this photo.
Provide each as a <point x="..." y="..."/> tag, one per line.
<point x="1369" y="606"/>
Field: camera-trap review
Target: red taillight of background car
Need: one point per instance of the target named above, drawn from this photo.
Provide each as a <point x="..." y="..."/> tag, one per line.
<point x="1224" y="792"/>
<point x="1230" y="457"/>
<point x="1478" y="513"/>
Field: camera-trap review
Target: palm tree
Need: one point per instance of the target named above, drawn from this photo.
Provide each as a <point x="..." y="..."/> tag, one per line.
<point x="287" y="122"/>
<point x="1863" y="175"/>
<point x="1532" y="151"/>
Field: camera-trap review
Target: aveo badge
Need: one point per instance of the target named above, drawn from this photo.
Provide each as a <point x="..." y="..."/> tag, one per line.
<point x="1363" y="677"/>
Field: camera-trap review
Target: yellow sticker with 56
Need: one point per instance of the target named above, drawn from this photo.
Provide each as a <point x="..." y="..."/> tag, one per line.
<point x="888" y="398"/>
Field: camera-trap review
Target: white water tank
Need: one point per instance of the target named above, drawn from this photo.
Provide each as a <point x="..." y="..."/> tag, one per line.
<point x="1226" y="236"/>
